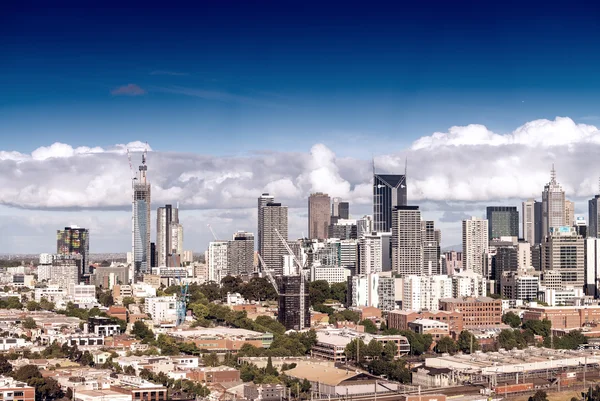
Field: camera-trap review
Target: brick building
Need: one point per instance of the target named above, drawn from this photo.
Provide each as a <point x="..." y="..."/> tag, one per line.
<point x="400" y="319"/>
<point x="219" y="374"/>
<point x="476" y="312"/>
<point x="564" y="317"/>
<point x="11" y="389"/>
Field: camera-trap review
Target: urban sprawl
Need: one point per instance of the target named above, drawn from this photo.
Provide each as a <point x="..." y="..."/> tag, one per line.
<point x="359" y="309"/>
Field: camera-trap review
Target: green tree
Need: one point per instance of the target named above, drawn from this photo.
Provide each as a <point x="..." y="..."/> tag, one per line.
<point x="211" y="291"/>
<point x="11" y="303"/>
<point x="446" y="345"/>
<point x="29" y="323"/>
<point x="5" y="366"/>
<point x="258" y="289"/>
<point x="210" y="359"/>
<point x="87" y="359"/>
<point x="512" y="319"/>
<point x="355" y="350"/>
<point x="33" y="306"/>
<point x="369" y="326"/>
<point x="128" y="301"/>
<point x="539" y="327"/>
<point x="539" y="395"/>
<point x="46" y="305"/>
<point x="231" y="284"/>
<point x="129" y="370"/>
<point x="318" y="291"/>
<point x="390" y="350"/>
<point x="270" y="370"/>
<point x="338" y="291"/>
<point x="105" y="298"/>
<point x="466" y="340"/>
<point x="374" y="349"/>
<point x="142" y="332"/>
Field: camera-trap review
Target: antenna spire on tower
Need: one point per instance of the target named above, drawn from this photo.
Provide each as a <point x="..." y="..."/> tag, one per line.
<point x="553" y="174"/>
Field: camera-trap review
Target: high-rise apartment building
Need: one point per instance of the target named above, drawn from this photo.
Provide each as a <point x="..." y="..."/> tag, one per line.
<point x="424" y="292"/>
<point x="389" y="191"/>
<point x="553" y="205"/>
<point x="475" y="244"/>
<point x="364" y="226"/>
<point x="343" y="229"/>
<point x="453" y="262"/>
<point x="66" y="270"/>
<point x="407" y="241"/>
<point x="431" y="248"/>
<point x="374" y="253"/>
<point x="319" y="216"/>
<point x="532" y="221"/>
<point x="503" y="221"/>
<point x="74" y="240"/>
<point x="594" y="217"/>
<point x="165" y="217"/>
<point x="141" y="222"/>
<point x="563" y="252"/>
<point x="240" y="257"/>
<point x="274" y="217"/>
<point x="216" y="258"/>
<point x="293" y="311"/>
<point x="569" y="213"/>
<point x="262" y="202"/>
<point x="592" y="266"/>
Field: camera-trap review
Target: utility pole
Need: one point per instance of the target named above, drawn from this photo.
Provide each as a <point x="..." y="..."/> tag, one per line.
<point x="375" y="390"/>
<point x="584" y="370"/>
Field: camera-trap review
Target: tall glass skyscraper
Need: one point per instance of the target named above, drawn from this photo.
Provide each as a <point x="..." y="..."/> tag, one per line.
<point x="503" y="221"/>
<point x="141" y="222"/>
<point x="389" y="191"/>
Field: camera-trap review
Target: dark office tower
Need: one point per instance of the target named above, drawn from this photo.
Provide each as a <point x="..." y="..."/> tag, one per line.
<point x="538" y="223"/>
<point x="581" y="227"/>
<point x="273" y="217"/>
<point x="344" y="229"/>
<point x="594" y="217"/>
<point x="74" y="241"/>
<point x="240" y="254"/>
<point x="262" y="202"/>
<point x="431" y="249"/>
<point x="141" y="221"/>
<point x="153" y="255"/>
<point x="166" y="217"/>
<point x="503" y="221"/>
<point x="389" y="191"/>
<point x="318" y="216"/>
<point x="291" y="301"/>
<point x="536" y="257"/>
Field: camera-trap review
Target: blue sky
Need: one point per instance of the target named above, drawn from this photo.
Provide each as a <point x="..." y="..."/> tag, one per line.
<point x="254" y="81"/>
<point x="230" y="77"/>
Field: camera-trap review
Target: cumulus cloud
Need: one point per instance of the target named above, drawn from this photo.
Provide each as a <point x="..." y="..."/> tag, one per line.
<point x="464" y="164"/>
<point x="128" y="90"/>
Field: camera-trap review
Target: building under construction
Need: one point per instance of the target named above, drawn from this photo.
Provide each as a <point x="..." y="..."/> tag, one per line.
<point x="293" y="311"/>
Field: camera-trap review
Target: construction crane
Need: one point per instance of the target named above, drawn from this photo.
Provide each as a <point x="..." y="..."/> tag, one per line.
<point x="212" y="231"/>
<point x="182" y="299"/>
<point x="302" y="278"/>
<point x="267" y="271"/>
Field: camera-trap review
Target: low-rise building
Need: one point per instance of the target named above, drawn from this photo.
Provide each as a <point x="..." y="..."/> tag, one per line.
<point x="223" y="339"/>
<point x="162" y="309"/>
<point x="11" y="389"/>
<point x="399" y="320"/>
<point x="435" y="328"/>
<point x="139" y="389"/>
<point x="264" y="392"/>
<point x="331" y="343"/>
<point x="218" y="374"/>
<point x="477" y="312"/>
<point x="564" y="317"/>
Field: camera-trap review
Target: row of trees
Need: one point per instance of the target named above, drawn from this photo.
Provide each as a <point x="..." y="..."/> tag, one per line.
<point x="524" y="334"/>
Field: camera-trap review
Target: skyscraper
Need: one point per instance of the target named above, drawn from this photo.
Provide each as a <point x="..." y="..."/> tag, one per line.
<point x="319" y="217"/>
<point x="475" y="244"/>
<point x="503" y="221"/>
<point x="563" y="252"/>
<point x="569" y="213"/>
<point x="273" y="217"/>
<point x="407" y="241"/>
<point x="165" y="216"/>
<point x="553" y="205"/>
<point x="240" y="258"/>
<point x="339" y="210"/>
<point x="141" y="222"/>
<point x="431" y="248"/>
<point x="528" y="216"/>
<point x="389" y="191"/>
<point x="594" y="217"/>
<point x="293" y="304"/>
<point x="74" y="240"/>
<point x="216" y="259"/>
<point x="262" y="202"/>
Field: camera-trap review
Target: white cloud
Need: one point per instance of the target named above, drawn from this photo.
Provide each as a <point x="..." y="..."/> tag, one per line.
<point x="466" y="165"/>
